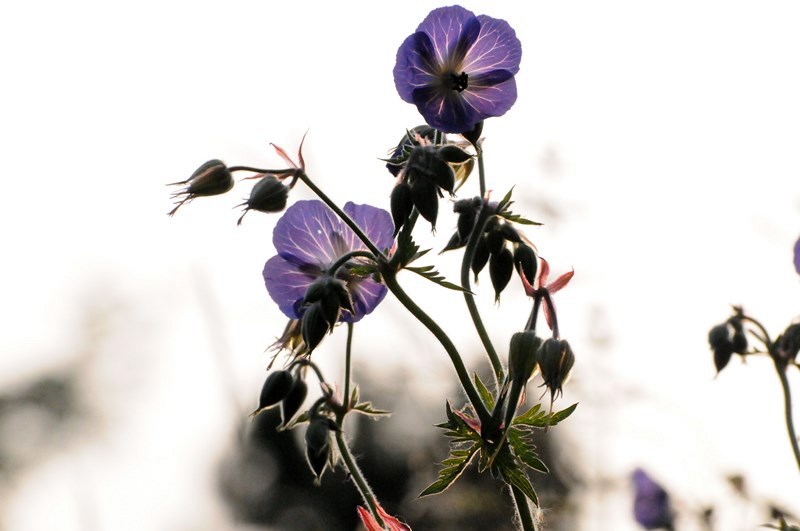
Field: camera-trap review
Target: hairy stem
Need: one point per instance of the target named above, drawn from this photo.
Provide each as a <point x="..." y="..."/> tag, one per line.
<point x="787" y="404"/>
<point x="357" y="476"/>
<point x="523" y="509"/>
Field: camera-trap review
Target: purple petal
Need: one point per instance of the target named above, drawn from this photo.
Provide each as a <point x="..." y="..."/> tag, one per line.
<point x="447" y="110"/>
<point x="452" y="30"/>
<point x="489" y="101"/>
<point x="305" y="234"/>
<point x="366" y="295"/>
<point x="797" y="256"/>
<point x="651" y="506"/>
<point x="286" y="284"/>
<point x="497" y="48"/>
<point x="375" y="222"/>
<point x="415" y="66"/>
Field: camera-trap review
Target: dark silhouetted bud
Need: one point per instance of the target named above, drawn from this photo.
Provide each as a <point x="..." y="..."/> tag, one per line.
<point x="268" y="195"/>
<point x="720" y="338"/>
<point x="474" y="135"/>
<point x="276" y="387"/>
<point x="318" y="445"/>
<point x="510" y="233"/>
<point x="481" y="257"/>
<point x="404" y="147"/>
<point x="212" y="178"/>
<point x="315" y="326"/>
<point x="293" y="401"/>
<point x="555" y="362"/>
<point x="526" y="262"/>
<point x="501" y="266"/>
<point x="453" y="243"/>
<point x="522" y="356"/>
<point x="453" y="154"/>
<point x="402" y="204"/>
<point x="788" y="343"/>
<point x="495" y="240"/>
<point x="426" y="199"/>
<point x="466" y="220"/>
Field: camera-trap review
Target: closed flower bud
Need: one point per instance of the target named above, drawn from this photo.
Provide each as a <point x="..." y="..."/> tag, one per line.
<point x="495" y="240"/>
<point x="510" y="233"/>
<point x="293" y="401"/>
<point x="426" y="199"/>
<point x="318" y="445"/>
<point x="501" y="266"/>
<point x="522" y="356"/>
<point x="268" y="195"/>
<point x="453" y="154"/>
<point x="276" y="388"/>
<point x="526" y="262"/>
<point x="555" y="362"/>
<point x="788" y="343"/>
<point x="475" y="135"/>
<point x="314" y="326"/>
<point x="721" y="341"/>
<point x="402" y="204"/>
<point x="739" y="338"/>
<point x="466" y="221"/>
<point x="481" y="257"/>
<point x="212" y="178"/>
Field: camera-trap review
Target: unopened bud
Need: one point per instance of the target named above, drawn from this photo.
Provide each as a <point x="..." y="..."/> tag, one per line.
<point x="555" y="362"/>
<point x="314" y="326"/>
<point x="318" y="445"/>
<point x="526" y="262"/>
<point x="501" y="266"/>
<point x="401" y="204"/>
<point x="276" y="387"/>
<point x="522" y="356"/>
<point x="212" y="178"/>
<point x="268" y="195"/>
<point x="721" y="341"/>
<point x="293" y="401"/>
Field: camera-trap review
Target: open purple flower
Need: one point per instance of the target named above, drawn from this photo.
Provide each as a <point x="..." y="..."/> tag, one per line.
<point x="309" y="238"/>
<point x="458" y="69"/>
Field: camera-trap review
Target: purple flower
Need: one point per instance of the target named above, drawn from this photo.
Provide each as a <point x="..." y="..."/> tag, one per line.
<point x="458" y="69"/>
<point x="797" y="256"/>
<point x="651" y="507"/>
<point x="309" y="238"/>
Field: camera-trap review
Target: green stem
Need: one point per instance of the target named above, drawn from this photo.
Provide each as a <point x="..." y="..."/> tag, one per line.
<point x="342" y="260"/>
<point x="390" y="279"/>
<point x="524" y="510"/>
<point x="343" y="216"/>
<point x="787" y="404"/>
<point x="481" y="171"/>
<point x="350" y="463"/>
<point x="358" y="477"/>
<point x="469" y="298"/>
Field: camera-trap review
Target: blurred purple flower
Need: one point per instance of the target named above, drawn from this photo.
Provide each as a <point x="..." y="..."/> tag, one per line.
<point x="797" y="256"/>
<point x="651" y="507"/>
<point x="458" y="69"/>
<point x="309" y="238"/>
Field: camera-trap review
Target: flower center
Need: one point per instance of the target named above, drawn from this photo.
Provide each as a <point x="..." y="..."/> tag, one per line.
<point x="458" y="82"/>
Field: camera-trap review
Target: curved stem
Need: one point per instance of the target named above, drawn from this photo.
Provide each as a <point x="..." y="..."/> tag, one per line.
<point x="549" y="302"/>
<point x="283" y="171"/>
<point x="787" y="404"/>
<point x="357" y="477"/>
<point x="347" y="357"/>
<point x="342" y="260"/>
<point x="390" y="279"/>
<point x="524" y="510"/>
<point x="343" y="216"/>
<point x="469" y="298"/>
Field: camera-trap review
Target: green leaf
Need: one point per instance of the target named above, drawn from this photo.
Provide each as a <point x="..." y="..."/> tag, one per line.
<point x="434" y="276"/>
<point x="525" y="451"/>
<point x="486" y="395"/>
<point x="516" y="218"/>
<point x="512" y="474"/>
<point x="452" y="467"/>
<point x="366" y="408"/>
<point x="457" y="429"/>
<point x="505" y="202"/>
<point x="536" y="418"/>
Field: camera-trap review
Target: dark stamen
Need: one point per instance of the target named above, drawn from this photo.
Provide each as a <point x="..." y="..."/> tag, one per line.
<point x="458" y="82"/>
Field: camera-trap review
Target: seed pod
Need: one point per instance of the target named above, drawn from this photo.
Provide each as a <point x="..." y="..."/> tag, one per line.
<point x="276" y="387"/>
<point x="268" y="195"/>
<point x="501" y="266"/>
<point x="211" y="178"/>
<point x="510" y="233"/>
<point x="453" y="154"/>
<point x="495" y="240"/>
<point x="293" y="401"/>
<point x="466" y="221"/>
<point x="426" y="200"/>
<point x="318" y="446"/>
<point x="525" y="262"/>
<point x="789" y="342"/>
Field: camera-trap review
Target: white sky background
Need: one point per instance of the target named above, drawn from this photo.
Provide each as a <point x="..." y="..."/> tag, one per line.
<point x="674" y="130"/>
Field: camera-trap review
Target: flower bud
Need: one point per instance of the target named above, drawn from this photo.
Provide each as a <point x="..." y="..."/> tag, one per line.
<point x="522" y="356"/>
<point x="788" y="343"/>
<point x="314" y="326"/>
<point x="481" y="257"/>
<point x="268" y="195"/>
<point x="293" y="401"/>
<point x="402" y="204"/>
<point x="526" y="262"/>
<point x="212" y="178"/>
<point x="276" y="388"/>
<point x="453" y="154"/>
<point x="721" y="341"/>
<point x="318" y="445"/>
<point x="495" y="240"/>
<point x="555" y="362"/>
<point x="474" y="135"/>
<point x="501" y="266"/>
<point x="425" y="197"/>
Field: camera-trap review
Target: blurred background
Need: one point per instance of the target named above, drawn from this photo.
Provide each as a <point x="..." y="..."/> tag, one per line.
<point x="657" y="144"/>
